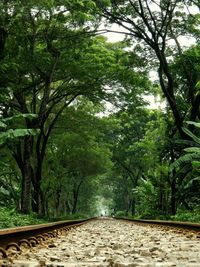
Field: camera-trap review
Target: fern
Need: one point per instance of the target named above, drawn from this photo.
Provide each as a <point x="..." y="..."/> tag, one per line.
<point x="193" y="153"/>
<point x="187" y="158"/>
<point x="196" y="164"/>
<point x="186" y="143"/>
<point x="192" y="149"/>
<point x="194" y="137"/>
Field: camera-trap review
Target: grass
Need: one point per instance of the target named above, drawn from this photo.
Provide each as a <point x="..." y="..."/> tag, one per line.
<point x="11" y="218"/>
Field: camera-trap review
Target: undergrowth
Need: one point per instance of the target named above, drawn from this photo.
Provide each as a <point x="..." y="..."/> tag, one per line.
<point x="11" y="218"/>
<point x="193" y="216"/>
<point x="181" y="215"/>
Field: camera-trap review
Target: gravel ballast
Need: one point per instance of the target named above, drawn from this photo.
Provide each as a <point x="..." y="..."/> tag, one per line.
<point x="109" y="242"/>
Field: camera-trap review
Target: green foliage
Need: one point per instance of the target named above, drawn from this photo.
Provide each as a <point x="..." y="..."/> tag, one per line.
<point x="193" y="216"/>
<point x="136" y="173"/>
<point x="76" y="159"/>
<point x="192" y="153"/>
<point x="58" y="75"/>
<point x="11" y="218"/>
<point x="18" y="117"/>
<point x="50" y="58"/>
<point x="187" y="158"/>
<point x="146" y="195"/>
<point x="13" y="134"/>
<point x="120" y="213"/>
<point x="193" y="136"/>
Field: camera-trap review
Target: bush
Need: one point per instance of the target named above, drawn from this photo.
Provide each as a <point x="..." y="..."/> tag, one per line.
<point x="120" y="213"/>
<point x="9" y="217"/>
<point x="187" y="216"/>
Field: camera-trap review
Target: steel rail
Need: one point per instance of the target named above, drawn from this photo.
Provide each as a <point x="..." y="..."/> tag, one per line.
<point x="195" y="227"/>
<point x="34" y="234"/>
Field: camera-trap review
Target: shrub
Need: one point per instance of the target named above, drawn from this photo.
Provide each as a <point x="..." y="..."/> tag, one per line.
<point x="9" y="217"/>
<point x="187" y="216"/>
<point x="120" y="213"/>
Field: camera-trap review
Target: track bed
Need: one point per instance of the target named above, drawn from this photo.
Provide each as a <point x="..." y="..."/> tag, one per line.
<point x="109" y="242"/>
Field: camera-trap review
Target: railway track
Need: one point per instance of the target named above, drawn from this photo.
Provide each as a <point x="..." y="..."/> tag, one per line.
<point x="185" y="228"/>
<point x="102" y="242"/>
<point x="34" y="234"/>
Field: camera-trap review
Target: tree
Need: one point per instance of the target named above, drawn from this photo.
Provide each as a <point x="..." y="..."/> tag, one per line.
<point x="150" y="25"/>
<point x="131" y="156"/>
<point x="50" y="62"/>
<point x="75" y="158"/>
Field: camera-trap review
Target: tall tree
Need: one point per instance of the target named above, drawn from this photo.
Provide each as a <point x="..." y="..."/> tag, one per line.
<point x="152" y="25"/>
<point x="51" y="59"/>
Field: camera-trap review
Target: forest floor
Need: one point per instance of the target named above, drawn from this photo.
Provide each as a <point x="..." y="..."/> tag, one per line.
<point x="108" y="242"/>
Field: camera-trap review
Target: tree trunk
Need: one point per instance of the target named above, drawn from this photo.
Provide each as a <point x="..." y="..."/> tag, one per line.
<point x="57" y="202"/>
<point x="46" y="208"/>
<point x="67" y="207"/>
<point x="75" y="195"/>
<point x="173" y="197"/>
<point x="37" y="194"/>
<point x="26" y="177"/>
<point x="42" y="204"/>
<point x="3" y="35"/>
<point x="36" y="198"/>
<point x="133" y="207"/>
<point x="161" y="205"/>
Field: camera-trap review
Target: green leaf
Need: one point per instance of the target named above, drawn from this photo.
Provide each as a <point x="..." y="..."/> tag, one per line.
<point x="2" y="125"/>
<point x="192" y="149"/>
<point x="19" y="116"/>
<point x="183" y="160"/>
<point x="196" y="163"/>
<point x="190" y="183"/>
<point x="198" y="85"/>
<point x="197" y="124"/>
<point x="194" y="137"/>
<point x="13" y="134"/>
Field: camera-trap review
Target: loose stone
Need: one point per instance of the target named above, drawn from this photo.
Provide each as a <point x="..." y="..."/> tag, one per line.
<point x="114" y="243"/>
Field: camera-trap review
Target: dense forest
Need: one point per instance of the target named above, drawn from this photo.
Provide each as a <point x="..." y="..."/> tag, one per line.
<point x="79" y="131"/>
